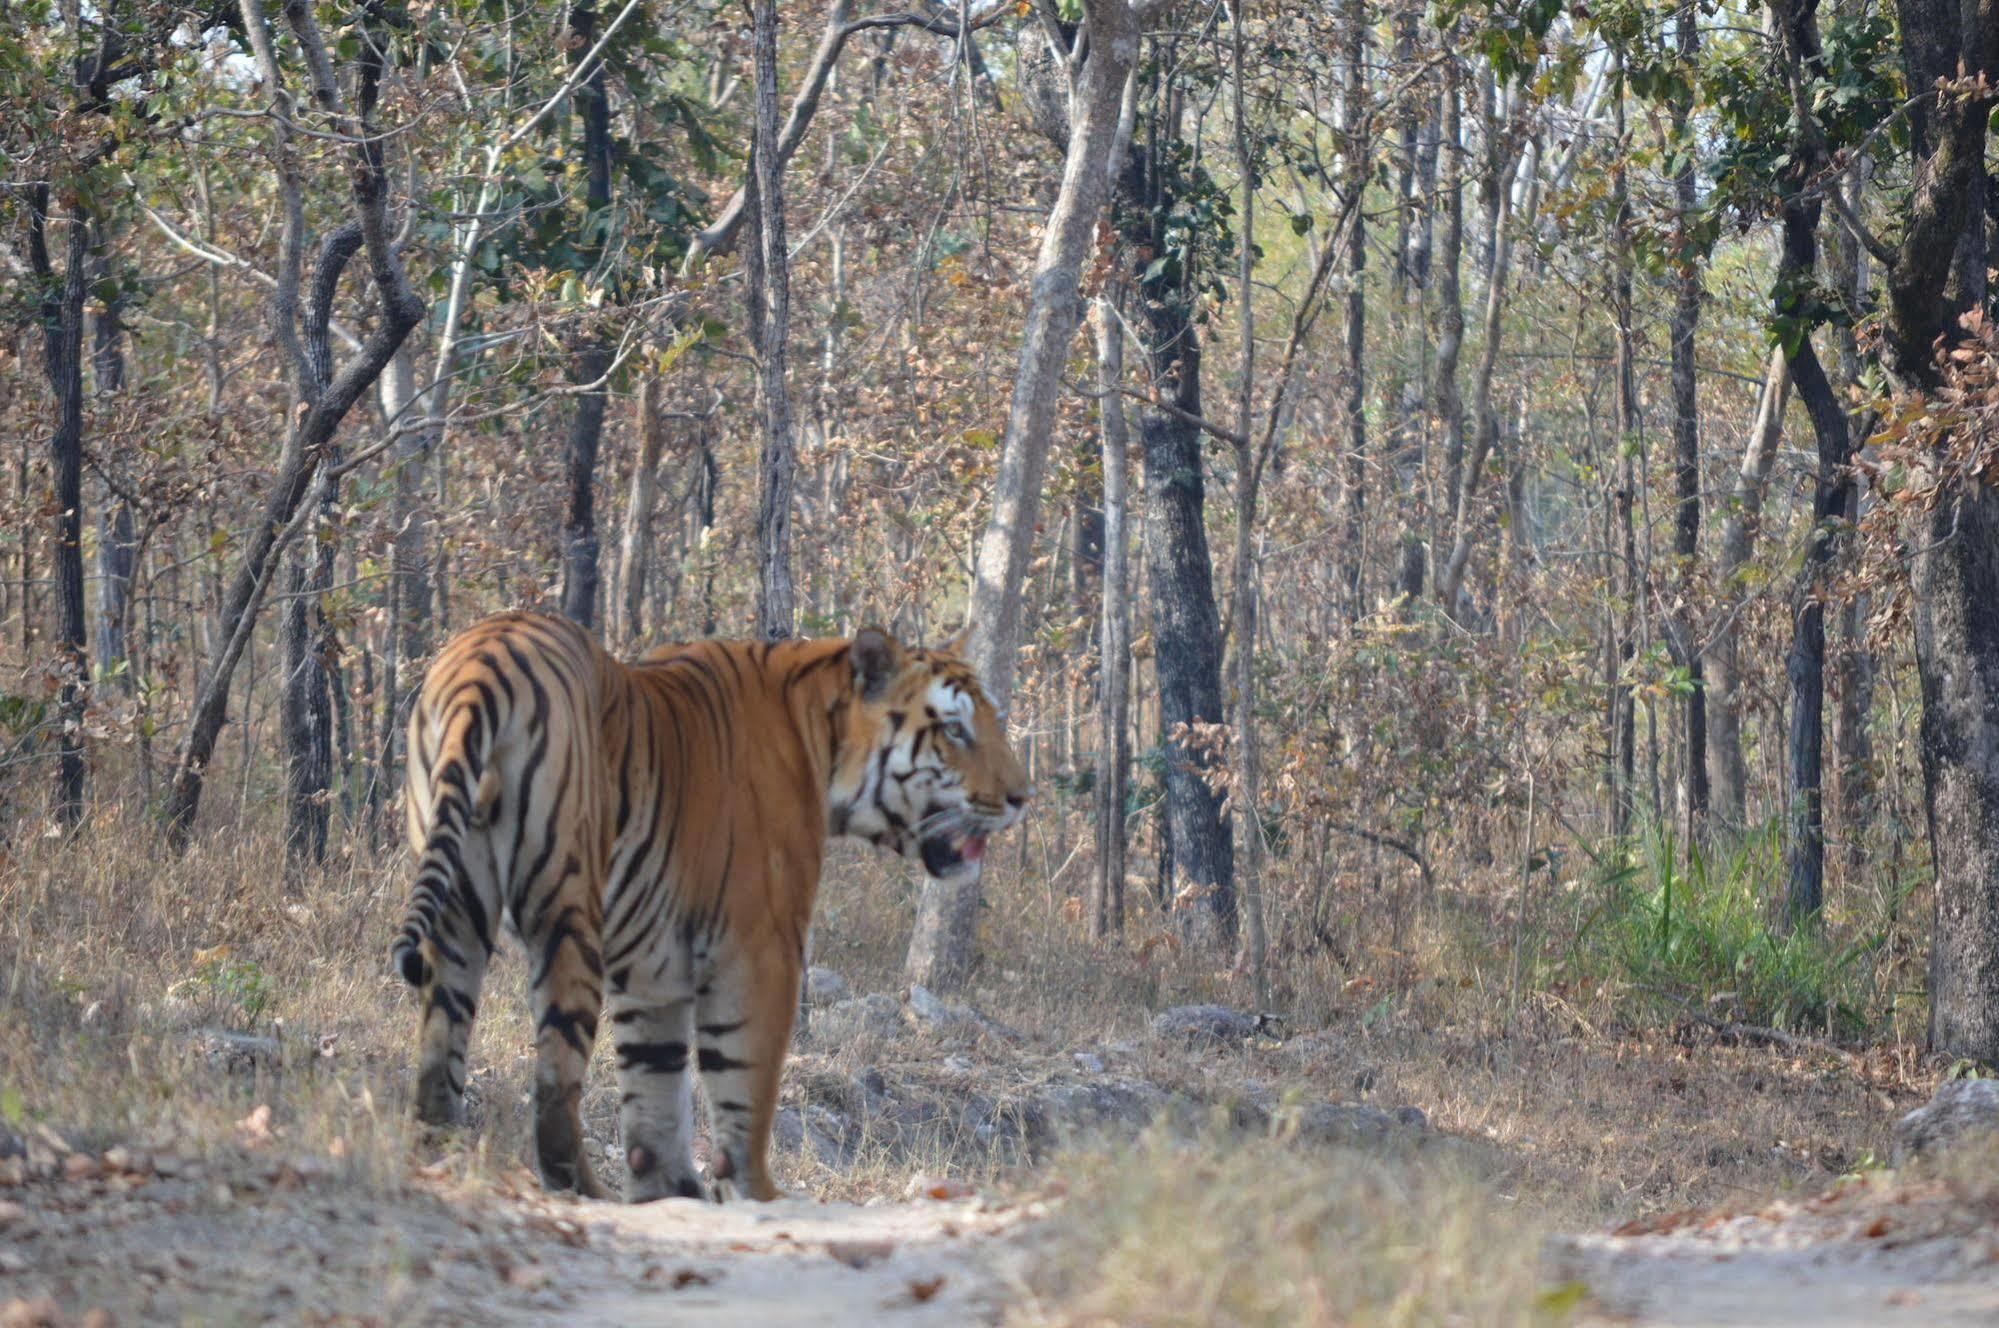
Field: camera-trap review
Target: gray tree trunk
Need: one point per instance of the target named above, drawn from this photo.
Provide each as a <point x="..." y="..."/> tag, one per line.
<point x="635" y="559"/>
<point x="1728" y="791"/>
<point x="1686" y="440"/>
<point x="1114" y="671"/>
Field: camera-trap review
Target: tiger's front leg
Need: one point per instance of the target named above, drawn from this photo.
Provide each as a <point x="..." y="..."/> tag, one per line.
<point x="744" y="1016"/>
<point x="655" y="1043"/>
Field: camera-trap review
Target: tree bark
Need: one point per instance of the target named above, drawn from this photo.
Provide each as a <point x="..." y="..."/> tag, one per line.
<point x="1728" y="795"/>
<point x="635" y="559"/>
<point x="61" y="313"/>
<point x="593" y="356"/>
<point x="1936" y="277"/>
<point x="325" y="398"/>
<point x="1797" y="271"/>
<point x="1054" y="309"/>
<point x="1445" y="402"/>
<point x="1186" y="627"/>
<point x="1686" y="437"/>
<point x="1485" y="420"/>
<point x="769" y="293"/>
<point x="1114" y="669"/>
<point x="1356" y="149"/>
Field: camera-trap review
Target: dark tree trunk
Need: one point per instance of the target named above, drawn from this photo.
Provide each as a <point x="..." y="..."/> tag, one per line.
<point x="1353" y="489"/>
<point x="593" y="355"/>
<point x="62" y="302"/>
<point x="768" y="291"/>
<point x="1686" y="440"/>
<point x="1937" y="276"/>
<point x="1797" y="271"/>
<point x="325" y="395"/>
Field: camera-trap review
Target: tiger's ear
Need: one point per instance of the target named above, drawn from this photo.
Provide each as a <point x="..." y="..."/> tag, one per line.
<point x="957" y="645"/>
<point x="876" y="657"/>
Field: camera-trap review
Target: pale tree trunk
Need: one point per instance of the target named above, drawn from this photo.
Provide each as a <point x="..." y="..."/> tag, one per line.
<point x="1248" y="793"/>
<point x="406" y="631"/>
<point x="305" y="700"/>
<point x="1485" y="419"/>
<point x="940" y="947"/>
<point x="115" y="536"/>
<point x="1114" y="671"/>
<point x="768" y="267"/>
<point x="635" y="558"/>
<point x="1728" y="794"/>
<point x="1106" y="52"/>
<point x="1446" y="404"/>
<point x="1936" y="276"/>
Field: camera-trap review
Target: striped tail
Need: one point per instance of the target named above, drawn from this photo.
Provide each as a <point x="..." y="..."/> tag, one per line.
<point x="463" y="790"/>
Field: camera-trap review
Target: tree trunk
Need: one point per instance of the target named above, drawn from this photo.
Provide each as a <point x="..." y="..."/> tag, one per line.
<point x="325" y="396"/>
<point x="1938" y="275"/>
<point x="115" y="536"/>
<point x="1353" y="491"/>
<point x="1686" y="439"/>
<point x="1728" y="796"/>
<point x="1114" y="670"/>
<point x="1445" y="402"/>
<point x="1485" y="420"/>
<point x="1797" y="271"/>
<point x="768" y="267"/>
<point x="635" y="559"/>
<point x="593" y="356"/>
<point x="305" y="702"/>
<point x="1054" y="309"/>
<point x="62" y="361"/>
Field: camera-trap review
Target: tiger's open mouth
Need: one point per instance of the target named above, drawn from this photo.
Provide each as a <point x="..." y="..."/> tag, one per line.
<point x="946" y="855"/>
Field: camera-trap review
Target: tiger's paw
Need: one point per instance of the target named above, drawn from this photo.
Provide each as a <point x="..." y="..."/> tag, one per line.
<point x="651" y="1180"/>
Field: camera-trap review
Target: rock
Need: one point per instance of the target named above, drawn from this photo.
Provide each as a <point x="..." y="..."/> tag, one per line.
<point x="1204" y="1024"/>
<point x="1958" y="1108"/>
<point x="237" y="1053"/>
<point x="824" y="987"/>
<point x="1349" y="1124"/>
<point x="1089" y="1062"/>
<point x="844" y="1021"/>
<point x="819" y="1131"/>
<point x="1062" y="1109"/>
<point x="947" y="1017"/>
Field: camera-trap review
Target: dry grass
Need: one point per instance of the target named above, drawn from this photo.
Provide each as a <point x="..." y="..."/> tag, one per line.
<point x="113" y="956"/>
<point x="1173" y="1231"/>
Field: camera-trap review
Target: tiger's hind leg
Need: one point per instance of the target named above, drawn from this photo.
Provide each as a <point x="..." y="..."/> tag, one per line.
<point x="454" y="961"/>
<point x="566" y="986"/>
<point x="654" y="1045"/>
<point x="743" y="1030"/>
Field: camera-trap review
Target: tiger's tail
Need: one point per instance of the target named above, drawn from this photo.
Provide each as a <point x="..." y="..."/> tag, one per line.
<point x="464" y="787"/>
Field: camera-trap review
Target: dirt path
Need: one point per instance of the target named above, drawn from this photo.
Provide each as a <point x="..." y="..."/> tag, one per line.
<point x="160" y="1240"/>
<point x="804" y="1263"/>
<point x="1868" y="1261"/>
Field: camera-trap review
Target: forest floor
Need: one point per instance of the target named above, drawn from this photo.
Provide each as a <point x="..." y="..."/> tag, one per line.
<point x="202" y="1121"/>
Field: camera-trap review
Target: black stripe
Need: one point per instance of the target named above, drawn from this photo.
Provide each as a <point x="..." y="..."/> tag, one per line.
<point x="653" y="1057"/>
<point x="712" y="1060"/>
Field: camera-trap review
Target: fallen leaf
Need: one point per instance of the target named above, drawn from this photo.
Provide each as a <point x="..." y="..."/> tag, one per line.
<point x="923" y="1288"/>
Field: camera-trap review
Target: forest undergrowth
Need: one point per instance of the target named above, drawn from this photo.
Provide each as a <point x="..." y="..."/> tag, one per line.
<point x="1639" y="1042"/>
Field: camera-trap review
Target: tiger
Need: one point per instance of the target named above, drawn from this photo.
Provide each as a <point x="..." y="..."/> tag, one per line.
<point x="653" y="831"/>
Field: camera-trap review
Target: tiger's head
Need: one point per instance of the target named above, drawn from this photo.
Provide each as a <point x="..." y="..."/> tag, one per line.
<point x="924" y="767"/>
